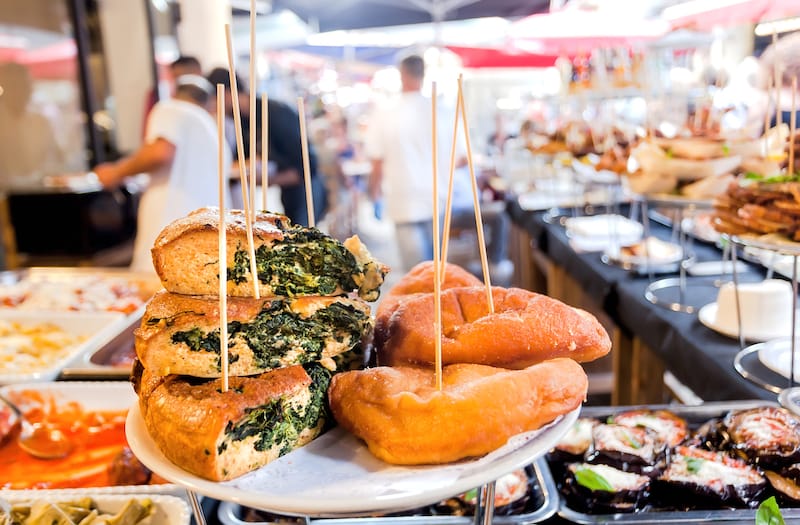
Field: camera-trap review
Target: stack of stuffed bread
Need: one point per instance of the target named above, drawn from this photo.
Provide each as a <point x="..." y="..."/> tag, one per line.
<point x="283" y="348"/>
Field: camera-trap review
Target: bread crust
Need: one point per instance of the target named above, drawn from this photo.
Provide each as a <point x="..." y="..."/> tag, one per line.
<point x="168" y="314"/>
<point x="185" y="257"/>
<point x="187" y="421"/>
<point x="418" y="280"/>
<point x="405" y="420"/>
<point x="526" y="328"/>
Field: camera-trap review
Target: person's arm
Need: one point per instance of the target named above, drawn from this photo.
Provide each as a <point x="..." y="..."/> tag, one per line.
<point x="153" y="156"/>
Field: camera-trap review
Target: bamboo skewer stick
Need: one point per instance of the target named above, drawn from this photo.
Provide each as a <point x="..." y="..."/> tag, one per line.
<point x="770" y="80"/>
<point x="253" y="108"/>
<point x="237" y="120"/>
<point x="437" y="281"/>
<point x="301" y="111"/>
<point x="264" y="151"/>
<point x="223" y="249"/>
<point x="448" y="211"/>
<point x="476" y="200"/>
<point x="778" y="83"/>
<point x="792" y="126"/>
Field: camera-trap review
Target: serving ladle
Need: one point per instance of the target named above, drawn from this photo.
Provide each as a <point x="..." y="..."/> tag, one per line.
<point x="40" y="439"/>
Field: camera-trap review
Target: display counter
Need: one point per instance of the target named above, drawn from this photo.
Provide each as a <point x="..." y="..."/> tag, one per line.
<point x="648" y="338"/>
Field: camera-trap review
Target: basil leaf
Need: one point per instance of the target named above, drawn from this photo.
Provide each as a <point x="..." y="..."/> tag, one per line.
<point x="592" y="480"/>
<point x="694" y="464"/>
<point x="769" y="513"/>
<point x="726" y="149"/>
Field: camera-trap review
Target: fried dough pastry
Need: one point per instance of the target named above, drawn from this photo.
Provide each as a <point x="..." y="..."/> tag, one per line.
<point x="526" y="328"/>
<point x="405" y="420"/>
<point x="418" y="280"/>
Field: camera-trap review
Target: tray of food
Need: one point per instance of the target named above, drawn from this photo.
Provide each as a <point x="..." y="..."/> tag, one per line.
<point x="86" y="507"/>
<point x="526" y="495"/>
<point x="88" y="293"/>
<point x="69" y="436"/>
<point x="678" y="464"/>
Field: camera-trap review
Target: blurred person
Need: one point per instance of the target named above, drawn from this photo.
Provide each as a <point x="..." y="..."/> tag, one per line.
<point x="180" y="155"/>
<point x="398" y="143"/>
<point x="285" y="150"/>
<point x="183" y="65"/>
<point x="28" y="146"/>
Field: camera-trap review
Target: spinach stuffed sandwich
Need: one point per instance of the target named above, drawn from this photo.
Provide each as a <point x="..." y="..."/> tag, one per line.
<point x="311" y="321"/>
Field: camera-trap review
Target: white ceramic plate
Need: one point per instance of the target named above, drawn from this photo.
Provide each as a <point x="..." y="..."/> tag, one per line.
<point x="668" y="253"/>
<point x="97" y="328"/>
<point x="167" y="510"/>
<point x="708" y="314"/>
<point x="777" y="356"/>
<point x="336" y="475"/>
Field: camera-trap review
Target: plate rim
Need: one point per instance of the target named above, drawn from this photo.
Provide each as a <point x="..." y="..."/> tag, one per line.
<point x="772" y="364"/>
<point x="705" y="315"/>
<point x="148" y="453"/>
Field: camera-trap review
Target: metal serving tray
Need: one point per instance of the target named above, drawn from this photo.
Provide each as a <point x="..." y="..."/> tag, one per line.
<point x="229" y="513"/>
<point x="695" y="415"/>
<point x="110" y="360"/>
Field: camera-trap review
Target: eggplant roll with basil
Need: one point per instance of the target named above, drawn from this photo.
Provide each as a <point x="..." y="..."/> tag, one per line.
<point x="291" y="260"/>
<point x="699" y="478"/>
<point x="221" y="435"/>
<point x="179" y="334"/>
<point x="604" y="489"/>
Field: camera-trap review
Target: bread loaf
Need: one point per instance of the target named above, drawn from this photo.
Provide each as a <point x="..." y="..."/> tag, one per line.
<point x="221" y="435"/>
<point x="179" y="334"/>
<point x="291" y="260"/>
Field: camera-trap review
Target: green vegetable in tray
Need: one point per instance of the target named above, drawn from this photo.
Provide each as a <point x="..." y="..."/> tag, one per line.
<point x="769" y="513"/>
<point x="82" y="511"/>
<point x="592" y="480"/>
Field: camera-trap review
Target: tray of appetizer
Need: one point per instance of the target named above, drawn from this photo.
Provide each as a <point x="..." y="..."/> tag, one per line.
<point x="678" y="464"/>
<point x="86" y="295"/>
<point x="526" y="495"/>
<point x="87" y="507"/>
<point x="67" y="436"/>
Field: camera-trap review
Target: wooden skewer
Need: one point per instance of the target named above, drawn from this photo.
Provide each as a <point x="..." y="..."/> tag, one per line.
<point x="792" y="126"/>
<point x="223" y="249"/>
<point x="264" y="150"/>
<point x="448" y="211"/>
<point x="770" y="80"/>
<point x="253" y="108"/>
<point x="237" y="121"/>
<point x="475" y="199"/>
<point x="301" y="111"/>
<point x="437" y="281"/>
<point x="778" y="82"/>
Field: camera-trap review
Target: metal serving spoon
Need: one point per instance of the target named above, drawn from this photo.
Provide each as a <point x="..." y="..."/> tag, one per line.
<point x="42" y="439"/>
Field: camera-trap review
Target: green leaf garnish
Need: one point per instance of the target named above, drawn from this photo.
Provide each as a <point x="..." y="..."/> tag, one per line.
<point x="726" y="149"/>
<point x="592" y="480"/>
<point x="769" y="513"/>
<point x="694" y="464"/>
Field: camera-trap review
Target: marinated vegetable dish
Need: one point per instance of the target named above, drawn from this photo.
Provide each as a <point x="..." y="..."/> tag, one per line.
<point x="656" y="460"/>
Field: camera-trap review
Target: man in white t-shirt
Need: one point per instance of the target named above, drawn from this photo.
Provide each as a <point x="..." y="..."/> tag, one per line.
<point x="180" y="155"/>
<point x="398" y="143"/>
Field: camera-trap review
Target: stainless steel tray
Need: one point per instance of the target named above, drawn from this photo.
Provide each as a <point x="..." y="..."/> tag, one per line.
<point x="228" y="512"/>
<point x="100" y="363"/>
<point x="695" y="415"/>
